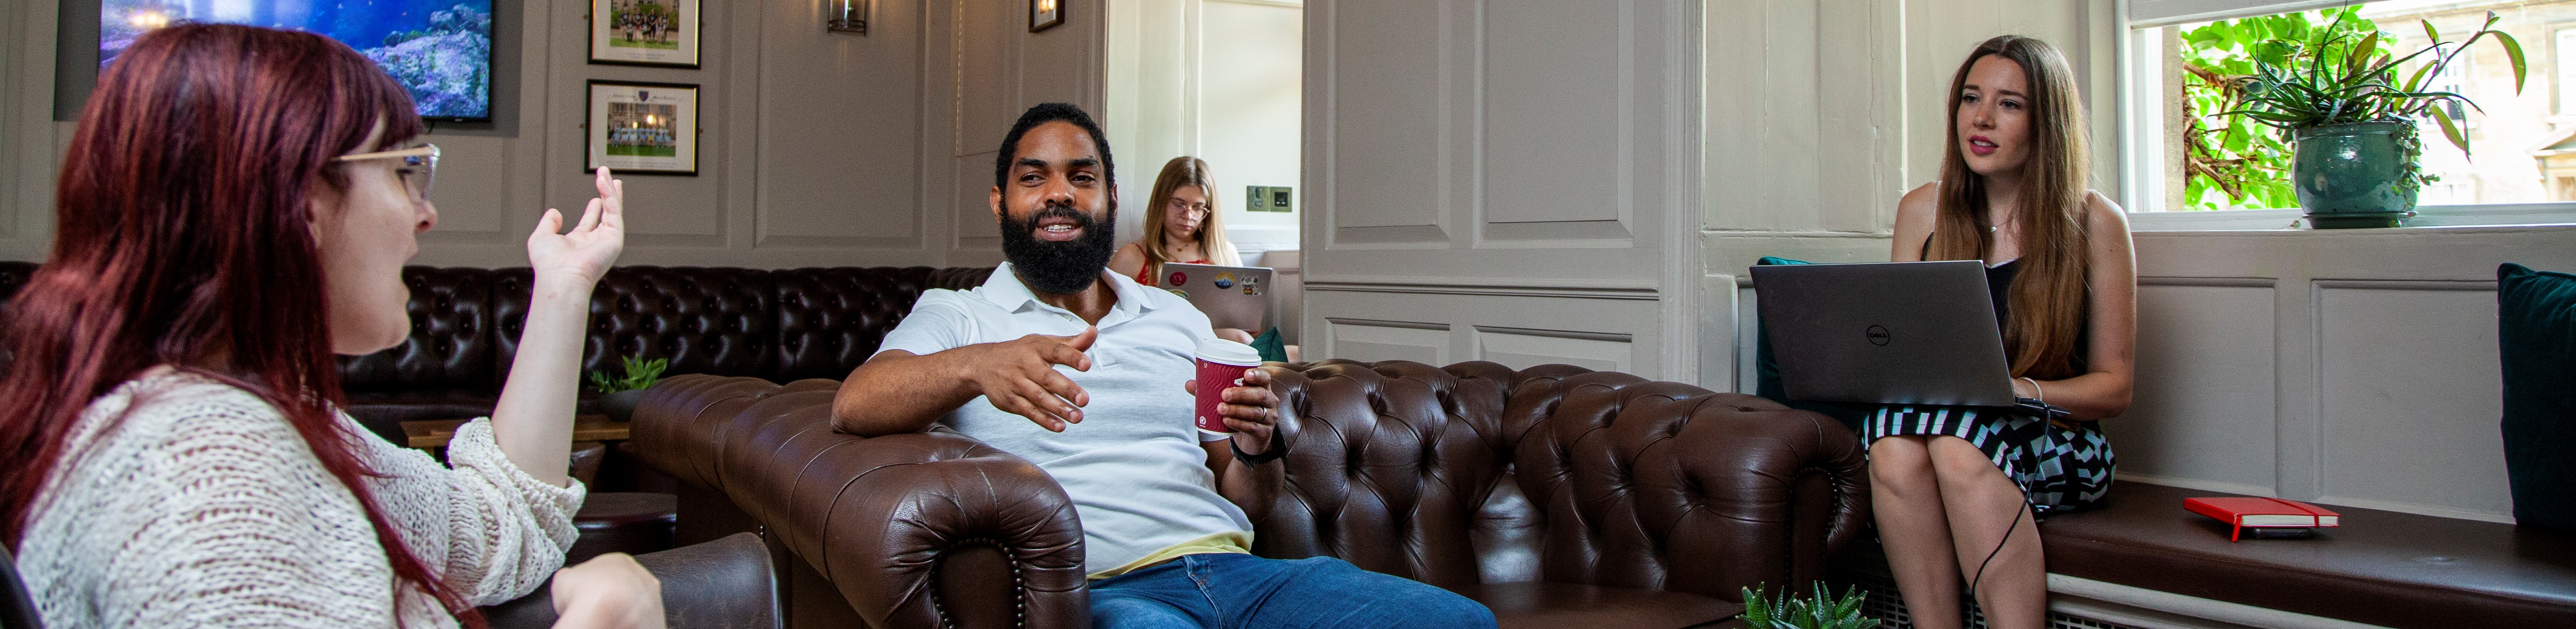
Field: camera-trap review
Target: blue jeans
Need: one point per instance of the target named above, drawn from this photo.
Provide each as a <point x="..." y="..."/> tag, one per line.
<point x="1238" y="591"/>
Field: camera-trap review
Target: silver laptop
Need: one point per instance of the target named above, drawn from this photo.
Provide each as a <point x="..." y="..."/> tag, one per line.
<point x="1886" y="333"/>
<point x="1232" y="296"/>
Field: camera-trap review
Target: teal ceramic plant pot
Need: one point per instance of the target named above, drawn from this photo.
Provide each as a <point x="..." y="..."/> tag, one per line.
<point x="2349" y="175"/>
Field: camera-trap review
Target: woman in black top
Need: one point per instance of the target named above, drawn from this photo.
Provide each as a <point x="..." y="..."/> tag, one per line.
<point x="1955" y="488"/>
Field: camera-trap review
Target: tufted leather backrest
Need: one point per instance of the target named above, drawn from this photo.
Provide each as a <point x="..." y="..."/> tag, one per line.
<point x="1391" y="462"/>
<point x="831" y="319"/>
<point x="1475" y="473"/>
<point x="713" y="320"/>
<point x="451" y="336"/>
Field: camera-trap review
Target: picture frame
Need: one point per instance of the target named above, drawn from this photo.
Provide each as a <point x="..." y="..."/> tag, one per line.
<point x="661" y="33"/>
<point x="641" y="128"/>
<point x="1045" y="14"/>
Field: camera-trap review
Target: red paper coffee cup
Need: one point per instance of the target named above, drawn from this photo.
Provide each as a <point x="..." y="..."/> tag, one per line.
<point x="1221" y="365"/>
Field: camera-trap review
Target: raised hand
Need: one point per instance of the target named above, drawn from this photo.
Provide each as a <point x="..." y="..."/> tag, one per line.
<point x="585" y="253"/>
<point x="1019" y="376"/>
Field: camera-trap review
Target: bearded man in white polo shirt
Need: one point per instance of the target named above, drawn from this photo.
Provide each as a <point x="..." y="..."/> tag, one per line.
<point x="1113" y="425"/>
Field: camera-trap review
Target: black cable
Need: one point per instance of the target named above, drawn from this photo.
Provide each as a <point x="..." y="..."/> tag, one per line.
<point x="1999" y="549"/>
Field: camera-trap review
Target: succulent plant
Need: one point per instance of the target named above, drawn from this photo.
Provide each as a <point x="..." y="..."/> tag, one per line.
<point x="1818" y="611"/>
<point x="639" y="374"/>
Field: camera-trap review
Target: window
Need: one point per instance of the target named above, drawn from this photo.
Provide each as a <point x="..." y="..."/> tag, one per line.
<point x="2565" y="59"/>
<point x="2181" y="55"/>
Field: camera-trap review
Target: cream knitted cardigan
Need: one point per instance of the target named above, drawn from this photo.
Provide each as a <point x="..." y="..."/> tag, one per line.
<point x="202" y="507"/>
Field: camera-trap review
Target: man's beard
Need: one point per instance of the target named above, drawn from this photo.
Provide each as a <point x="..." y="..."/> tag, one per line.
<point x="1059" y="268"/>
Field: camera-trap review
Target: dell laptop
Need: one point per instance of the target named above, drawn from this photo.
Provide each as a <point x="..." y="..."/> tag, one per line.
<point x="1885" y="333"/>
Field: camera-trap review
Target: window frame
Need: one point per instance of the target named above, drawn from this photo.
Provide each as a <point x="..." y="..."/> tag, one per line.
<point x="2139" y="58"/>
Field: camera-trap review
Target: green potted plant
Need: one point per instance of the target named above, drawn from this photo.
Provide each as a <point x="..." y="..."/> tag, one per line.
<point x="1818" y="611"/>
<point x="2351" y="115"/>
<point x="623" y="393"/>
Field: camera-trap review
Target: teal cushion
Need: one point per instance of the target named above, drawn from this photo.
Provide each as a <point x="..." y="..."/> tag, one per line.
<point x="2536" y="336"/>
<point x="1272" y="350"/>
<point x="1766" y="371"/>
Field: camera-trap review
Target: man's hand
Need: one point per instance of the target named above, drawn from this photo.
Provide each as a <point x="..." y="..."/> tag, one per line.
<point x="1019" y="376"/>
<point x="1250" y="409"/>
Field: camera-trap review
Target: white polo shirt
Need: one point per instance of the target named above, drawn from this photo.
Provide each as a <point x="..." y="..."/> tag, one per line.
<point x="1133" y="467"/>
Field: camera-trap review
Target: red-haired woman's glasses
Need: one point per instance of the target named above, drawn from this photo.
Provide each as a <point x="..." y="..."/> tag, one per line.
<point x="419" y="169"/>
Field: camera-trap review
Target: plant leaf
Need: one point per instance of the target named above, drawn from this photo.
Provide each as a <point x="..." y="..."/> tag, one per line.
<point x="2430" y="34"/>
<point x="2512" y="51"/>
<point x="2451" y="130"/>
<point x="2360" y="54"/>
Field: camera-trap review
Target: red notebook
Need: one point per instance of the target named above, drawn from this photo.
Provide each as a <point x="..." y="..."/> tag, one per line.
<point x="2243" y="513"/>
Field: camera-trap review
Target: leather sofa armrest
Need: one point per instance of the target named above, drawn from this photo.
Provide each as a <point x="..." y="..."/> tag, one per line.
<point x="1760" y="463"/>
<point x="729" y="583"/>
<point x="937" y="529"/>
<point x="924" y="530"/>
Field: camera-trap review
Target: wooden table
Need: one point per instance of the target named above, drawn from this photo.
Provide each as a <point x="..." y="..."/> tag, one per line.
<point x="434" y="433"/>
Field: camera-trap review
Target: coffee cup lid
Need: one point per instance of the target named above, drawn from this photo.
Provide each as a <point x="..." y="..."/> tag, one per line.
<point x="1228" y="352"/>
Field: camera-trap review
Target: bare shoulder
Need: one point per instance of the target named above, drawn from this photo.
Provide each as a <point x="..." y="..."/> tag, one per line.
<point x="2101" y="214"/>
<point x="1129" y="259"/>
<point x="1916" y="214"/>
<point x="1919" y="205"/>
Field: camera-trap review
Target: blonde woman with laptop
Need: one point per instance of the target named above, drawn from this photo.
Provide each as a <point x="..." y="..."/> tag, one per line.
<point x="1181" y="225"/>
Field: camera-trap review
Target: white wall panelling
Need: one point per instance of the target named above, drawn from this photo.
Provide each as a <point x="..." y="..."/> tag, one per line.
<point x="1598" y="351"/>
<point x="2409" y="394"/>
<point x="1518" y="172"/>
<point x="2209" y="346"/>
<point x="1417" y="341"/>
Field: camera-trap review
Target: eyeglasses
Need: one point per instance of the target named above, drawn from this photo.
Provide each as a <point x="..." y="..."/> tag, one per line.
<point x="419" y="170"/>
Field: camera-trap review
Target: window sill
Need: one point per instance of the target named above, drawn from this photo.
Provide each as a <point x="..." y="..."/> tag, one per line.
<point x="2496" y="215"/>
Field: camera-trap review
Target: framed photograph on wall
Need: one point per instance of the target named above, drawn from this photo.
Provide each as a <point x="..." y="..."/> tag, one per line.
<point x="645" y="32"/>
<point x="1045" y="14"/>
<point x="648" y="128"/>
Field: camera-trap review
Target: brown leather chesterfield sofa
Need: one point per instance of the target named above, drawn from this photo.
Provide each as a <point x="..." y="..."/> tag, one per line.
<point x="781" y="325"/>
<point x="1556" y="495"/>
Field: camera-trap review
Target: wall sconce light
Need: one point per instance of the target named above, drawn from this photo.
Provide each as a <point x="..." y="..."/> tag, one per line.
<point x="1045" y="14"/>
<point x="847" y="16"/>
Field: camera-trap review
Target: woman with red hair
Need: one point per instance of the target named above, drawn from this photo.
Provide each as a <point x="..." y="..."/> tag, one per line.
<point x="236" y="207"/>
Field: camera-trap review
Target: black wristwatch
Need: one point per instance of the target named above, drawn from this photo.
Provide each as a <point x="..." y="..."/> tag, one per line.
<point x="1277" y="449"/>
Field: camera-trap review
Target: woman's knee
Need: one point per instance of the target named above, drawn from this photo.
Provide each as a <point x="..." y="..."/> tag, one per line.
<point x="1960" y="466"/>
<point x="1899" y="462"/>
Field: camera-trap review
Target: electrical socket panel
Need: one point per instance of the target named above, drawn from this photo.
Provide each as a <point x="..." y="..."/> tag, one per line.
<point x="1268" y="199"/>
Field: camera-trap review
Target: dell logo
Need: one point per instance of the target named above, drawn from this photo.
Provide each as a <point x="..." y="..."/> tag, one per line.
<point x="1877" y="335"/>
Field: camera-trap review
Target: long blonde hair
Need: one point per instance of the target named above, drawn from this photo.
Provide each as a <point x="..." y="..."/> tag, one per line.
<point x="1183" y="171"/>
<point x="2048" y="298"/>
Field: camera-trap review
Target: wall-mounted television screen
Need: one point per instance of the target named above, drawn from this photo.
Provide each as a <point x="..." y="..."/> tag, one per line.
<point x="440" y="49"/>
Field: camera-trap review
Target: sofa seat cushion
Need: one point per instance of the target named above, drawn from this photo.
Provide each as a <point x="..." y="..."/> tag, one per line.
<point x="1546" y="605"/>
<point x="2379" y="567"/>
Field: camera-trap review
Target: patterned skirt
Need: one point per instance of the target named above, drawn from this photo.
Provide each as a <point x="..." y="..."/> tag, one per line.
<point x="2060" y="465"/>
